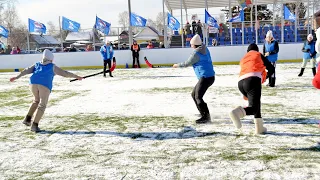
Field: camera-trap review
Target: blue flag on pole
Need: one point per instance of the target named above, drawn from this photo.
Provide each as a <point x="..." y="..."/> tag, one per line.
<point x="102" y="26"/>
<point x="70" y="25"/>
<point x="137" y="20"/>
<point x="238" y="18"/>
<point x="4" y="32"/>
<point x="211" y="21"/>
<point x="35" y="26"/>
<point x="289" y="15"/>
<point x="173" y="23"/>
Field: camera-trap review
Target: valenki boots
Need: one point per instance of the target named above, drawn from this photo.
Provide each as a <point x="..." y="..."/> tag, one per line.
<point x="236" y="115"/>
<point x="259" y="126"/>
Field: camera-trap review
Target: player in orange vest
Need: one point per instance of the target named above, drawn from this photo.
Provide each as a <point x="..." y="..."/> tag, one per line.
<point x="135" y="48"/>
<point x="252" y="75"/>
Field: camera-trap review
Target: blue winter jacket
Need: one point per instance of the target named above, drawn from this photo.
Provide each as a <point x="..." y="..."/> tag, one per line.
<point x="106" y="52"/>
<point x="201" y="61"/>
<point x="309" y="50"/>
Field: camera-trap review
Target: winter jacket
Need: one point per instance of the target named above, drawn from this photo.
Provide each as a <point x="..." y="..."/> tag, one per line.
<point x="135" y="49"/>
<point x="309" y="50"/>
<point x="106" y="52"/>
<point x="255" y="64"/>
<point x="273" y="49"/>
<point x="201" y="61"/>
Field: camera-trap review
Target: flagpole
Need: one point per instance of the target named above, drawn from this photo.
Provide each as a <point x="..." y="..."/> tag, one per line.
<point x="165" y="31"/>
<point x="130" y="28"/>
<point x="94" y="36"/>
<point x="28" y="41"/>
<point x="61" y="40"/>
<point x="182" y="40"/>
<point x="206" y="26"/>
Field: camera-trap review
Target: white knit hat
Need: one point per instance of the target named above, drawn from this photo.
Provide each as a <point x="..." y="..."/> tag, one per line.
<point x="196" y="40"/>
<point x="269" y="34"/>
<point x="310" y="36"/>
<point x="47" y="55"/>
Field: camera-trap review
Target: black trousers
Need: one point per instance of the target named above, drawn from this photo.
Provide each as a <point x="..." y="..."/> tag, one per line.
<point x="105" y="63"/>
<point x="272" y="79"/>
<point x="198" y="92"/>
<point x="135" y="57"/>
<point x="251" y="88"/>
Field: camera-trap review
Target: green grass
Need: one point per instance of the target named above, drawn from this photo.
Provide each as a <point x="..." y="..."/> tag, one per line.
<point x="18" y="92"/>
<point x="11" y="118"/>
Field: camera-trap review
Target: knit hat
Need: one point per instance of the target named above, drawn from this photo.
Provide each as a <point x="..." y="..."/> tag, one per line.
<point x="269" y="34"/>
<point x="317" y="14"/>
<point x="47" y="56"/>
<point x="253" y="47"/>
<point x="196" y="40"/>
<point x="310" y="36"/>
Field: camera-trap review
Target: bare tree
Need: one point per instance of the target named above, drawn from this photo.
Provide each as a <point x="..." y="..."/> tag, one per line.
<point x="151" y="23"/>
<point x="124" y="19"/>
<point x="159" y="22"/>
<point x="52" y="29"/>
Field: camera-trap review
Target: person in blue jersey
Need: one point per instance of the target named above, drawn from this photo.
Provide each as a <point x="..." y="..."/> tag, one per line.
<point x="41" y="80"/>
<point x="309" y="54"/>
<point x="201" y="61"/>
<point x="270" y="51"/>
<point x="107" y="54"/>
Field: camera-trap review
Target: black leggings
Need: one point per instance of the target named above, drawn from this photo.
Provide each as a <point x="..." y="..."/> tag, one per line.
<point x="134" y="57"/>
<point x="199" y="90"/>
<point x="105" y="63"/>
<point x="251" y="88"/>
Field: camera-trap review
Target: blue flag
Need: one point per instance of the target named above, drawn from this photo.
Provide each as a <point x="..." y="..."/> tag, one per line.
<point x="4" y="32"/>
<point x="173" y="23"/>
<point x="238" y="18"/>
<point x="211" y="21"/>
<point x="102" y="26"/>
<point x="70" y="25"/>
<point x="137" y="20"/>
<point x="289" y="15"/>
<point x="35" y="26"/>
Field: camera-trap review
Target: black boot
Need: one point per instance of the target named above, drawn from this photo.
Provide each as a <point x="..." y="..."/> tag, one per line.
<point x="35" y="127"/>
<point x="301" y="72"/>
<point x="272" y="82"/>
<point x="314" y="71"/>
<point x="27" y="120"/>
<point x="110" y="74"/>
<point x="204" y="113"/>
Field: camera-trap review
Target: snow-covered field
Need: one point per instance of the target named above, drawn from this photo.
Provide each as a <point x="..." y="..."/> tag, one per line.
<point x="141" y="125"/>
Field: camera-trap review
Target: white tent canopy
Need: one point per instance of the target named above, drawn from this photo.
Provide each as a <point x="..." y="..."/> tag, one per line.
<point x="147" y="33"/>
<point x="192" y="4"/>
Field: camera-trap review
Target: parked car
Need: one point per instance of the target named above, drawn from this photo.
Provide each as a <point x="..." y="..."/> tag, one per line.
<point x="30" y="52"/>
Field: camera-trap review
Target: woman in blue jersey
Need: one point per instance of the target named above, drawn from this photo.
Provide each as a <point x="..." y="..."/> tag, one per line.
<point x="309" y="54"/>
<point x="41" y="79"/>
<point x="270" y="51"/>
<point x="201" y="61"/>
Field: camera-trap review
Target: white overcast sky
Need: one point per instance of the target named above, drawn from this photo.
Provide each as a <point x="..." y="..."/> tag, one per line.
<point x="84" y="11"/>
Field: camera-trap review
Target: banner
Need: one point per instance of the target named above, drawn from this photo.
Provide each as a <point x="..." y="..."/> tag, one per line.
<point x="102" y="26"/>
<point x="211" y="21"/>
<point x="137" y="20"/>
<point x="35" y="26"/>
<point x="4" y="32"/>
<point x="238" y="18"/>
<point x="288" y="15"/>
<point x="173" y="23"/>
<point x="70" y="25"/>
<point x="244" y="3"/>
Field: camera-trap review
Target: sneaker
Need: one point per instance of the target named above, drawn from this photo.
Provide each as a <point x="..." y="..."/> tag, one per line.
<point x="204" y="120"/>
<point x="27" y="120"/>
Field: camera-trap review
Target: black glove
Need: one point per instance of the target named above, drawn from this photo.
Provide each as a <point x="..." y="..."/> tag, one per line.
<point x="308" y="50"/>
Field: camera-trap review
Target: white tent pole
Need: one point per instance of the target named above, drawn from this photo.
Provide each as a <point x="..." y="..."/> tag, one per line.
<point x="165" y="33"/>
<point x="256" y="24"/>
<point x="130" y="28"/>
<point x="182" y="40"/>
<point x="308" y="13"/>
<point x="282" y="22"/>
<point x="230" y="23"/>
<point x="296" y="23"/>
<point x="206" y="27"/>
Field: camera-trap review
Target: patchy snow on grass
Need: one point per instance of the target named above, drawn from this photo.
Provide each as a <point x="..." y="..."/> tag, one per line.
<point x="141" y="125"/>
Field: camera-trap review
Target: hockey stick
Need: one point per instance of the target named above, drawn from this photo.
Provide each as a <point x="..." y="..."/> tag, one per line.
<point x="114" y="64"/>
<point x="107" y="71"/>
<point x="152" y="66"/>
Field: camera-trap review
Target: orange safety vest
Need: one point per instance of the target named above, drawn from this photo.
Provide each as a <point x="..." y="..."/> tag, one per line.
<point x="135" y="47"/>
<point x="252" y="62"/>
